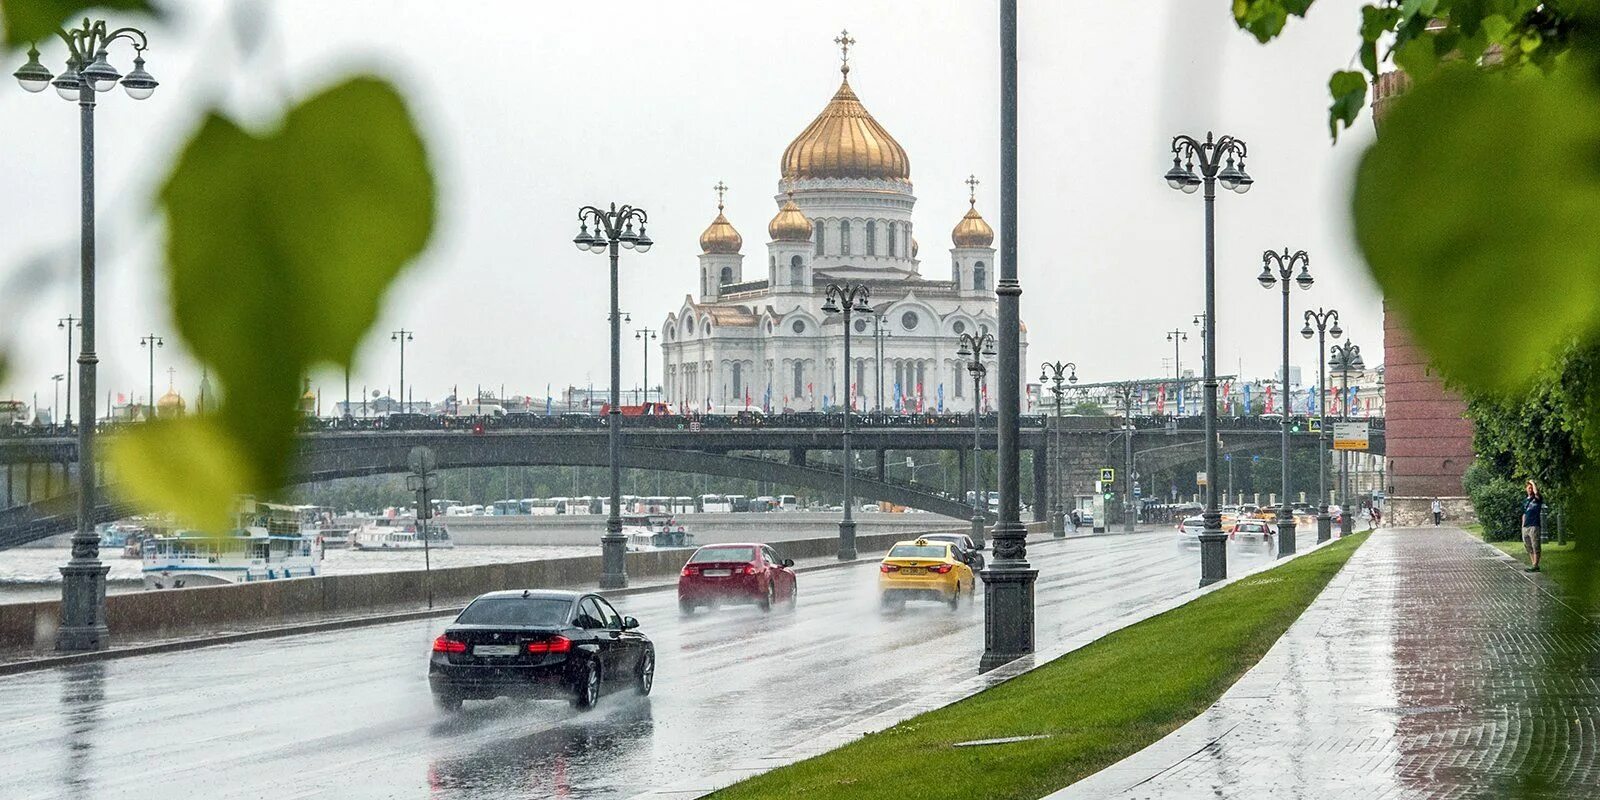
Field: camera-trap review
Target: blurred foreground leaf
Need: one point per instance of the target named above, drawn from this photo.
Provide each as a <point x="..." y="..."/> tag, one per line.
<point x="1477" y="210"/>
<point x="194" y="466"/>
<point x="279" y="250"/>
<point x="36" y="20"/>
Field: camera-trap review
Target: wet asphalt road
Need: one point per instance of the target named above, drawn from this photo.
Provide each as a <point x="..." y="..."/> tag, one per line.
<point x="348" y="715"/>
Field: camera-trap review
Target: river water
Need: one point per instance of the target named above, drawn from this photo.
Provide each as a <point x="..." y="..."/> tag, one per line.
<point x="31" y="573"/>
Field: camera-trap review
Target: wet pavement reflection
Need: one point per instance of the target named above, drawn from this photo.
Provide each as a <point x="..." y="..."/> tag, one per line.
<point x="347" y="714"/>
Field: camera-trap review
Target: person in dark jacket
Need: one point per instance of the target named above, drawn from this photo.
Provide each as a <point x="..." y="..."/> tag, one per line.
<point x="1532" y="522"/>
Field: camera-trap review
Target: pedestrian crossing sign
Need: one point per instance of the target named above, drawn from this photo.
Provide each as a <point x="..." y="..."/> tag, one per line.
<point x="1108" y="475"/>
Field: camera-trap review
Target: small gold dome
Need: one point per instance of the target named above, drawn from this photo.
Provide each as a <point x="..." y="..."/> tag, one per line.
<point x="844" y="141"/>
<point x="790" y="225"/>
<point x="719" y="236"/>
<point x="914" y="247"/>
<point x="972" y="231"/>
<point x="170" y="404"/>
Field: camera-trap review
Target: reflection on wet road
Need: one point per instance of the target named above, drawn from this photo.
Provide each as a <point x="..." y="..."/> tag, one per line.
<point x="347" y="714"/>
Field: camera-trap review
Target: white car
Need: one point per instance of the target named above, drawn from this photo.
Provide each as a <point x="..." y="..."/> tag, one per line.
<point x="1252" y="530"/>
<point x="1189" y="530"/>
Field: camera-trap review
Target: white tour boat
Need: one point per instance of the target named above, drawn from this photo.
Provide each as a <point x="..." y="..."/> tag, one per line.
<point x="397" y="533"/>
<point x="268" y="544"/>
<point x="655" y="532"/>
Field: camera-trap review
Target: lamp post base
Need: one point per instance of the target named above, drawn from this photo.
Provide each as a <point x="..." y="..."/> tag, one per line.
<point x="1324" y="527"/>
<point x="1213" y="557"/>
<point x="613" y="560"/>
<point x="83" y="608"/>
<point x="1058" y="524"/>
<point x="1286" y="537"/>
<point x="1008" y="615"/>
<point x="847" y="540"/>
<point x="977" y="531"/>
<point x="1346" y="526"/>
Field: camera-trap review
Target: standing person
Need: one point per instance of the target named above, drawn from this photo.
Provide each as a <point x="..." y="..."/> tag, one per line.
<point x="1532" y="522"/>
<point x="1438" y="512"/>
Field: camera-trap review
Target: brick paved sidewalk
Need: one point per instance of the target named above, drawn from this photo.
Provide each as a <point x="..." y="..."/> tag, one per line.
<point x="1431" y="666"/>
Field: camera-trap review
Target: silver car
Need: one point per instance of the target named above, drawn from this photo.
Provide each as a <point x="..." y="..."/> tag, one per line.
<point x="1189" y="530"/>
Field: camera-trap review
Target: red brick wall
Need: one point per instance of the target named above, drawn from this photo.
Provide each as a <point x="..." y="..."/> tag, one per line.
<point x="1428" y="439"/>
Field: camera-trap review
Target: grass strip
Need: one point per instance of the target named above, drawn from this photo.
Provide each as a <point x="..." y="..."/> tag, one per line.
<point x="1098" y="704"/>
<point x="1571" y="570"/>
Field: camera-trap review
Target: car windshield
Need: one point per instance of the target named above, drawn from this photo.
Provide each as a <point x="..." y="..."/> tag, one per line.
<point x="536" y="611"/>
<point x="710" y="554"/>
<point x="918" y="551"/>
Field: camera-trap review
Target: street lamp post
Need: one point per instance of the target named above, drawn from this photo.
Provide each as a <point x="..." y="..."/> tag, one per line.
<point x="1210" y="154"/>
<point x="402" y="336"/>
<point x="1126" y="392"/>
<point x="880" y="329"/>
<point x="975" y="347"/>
<point x="1326" y="323"/>
<point x="55" y="402"/>
<point x="1345" y="359"/>
<point x="1177" y="337"/>
<point x="848" y="299"/>
<point x="1056" y="373"/>
<point x="152" y="341"/>
<point x="1285" y="264"/>
<point x="644" y="335"/>
<point x="83" y="579"/>
<point x="67" y="323"/>
<point x="1200" y="322"/>
<point x="613" y="231"/>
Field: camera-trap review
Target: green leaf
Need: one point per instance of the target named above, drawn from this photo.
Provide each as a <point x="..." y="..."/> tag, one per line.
<point x="279" y="250"/>
<point x="1349" y="90"/>
<point x="37" y="20"/>
<point x="1417" y="57"/>
<point x="193" y="467"/>
<point x="1476" y="212"/>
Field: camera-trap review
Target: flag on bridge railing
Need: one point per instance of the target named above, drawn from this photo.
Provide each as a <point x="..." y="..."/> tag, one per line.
<point x="941" y="397"/>
<point x="766" y="400"/>
<point x="1179" y="389"/>
<point x="549" y="401"/>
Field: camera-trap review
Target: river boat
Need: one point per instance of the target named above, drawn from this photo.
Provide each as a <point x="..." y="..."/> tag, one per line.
<point x="655" y="532"/>
<point x="398" y="533"/>
<point x="268" y="543"/>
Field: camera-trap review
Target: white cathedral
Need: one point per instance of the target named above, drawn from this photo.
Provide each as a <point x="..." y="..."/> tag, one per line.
<point x="762" y="341"/>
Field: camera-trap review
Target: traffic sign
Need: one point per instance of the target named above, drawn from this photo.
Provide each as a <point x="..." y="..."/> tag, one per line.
<point x="1316" y="424"/>
<point x="1108" y="475"/>
<point x="1138" y="490"/>
<point x="1349" y="435"/>
<point x="1227" y="456"/>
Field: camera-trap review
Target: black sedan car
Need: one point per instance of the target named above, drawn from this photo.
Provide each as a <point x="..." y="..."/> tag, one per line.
<point x="539" y="644"/>
<point x="965" y="549"/>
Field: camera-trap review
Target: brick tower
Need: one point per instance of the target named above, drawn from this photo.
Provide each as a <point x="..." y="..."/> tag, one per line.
<point x="1429" y="438"/>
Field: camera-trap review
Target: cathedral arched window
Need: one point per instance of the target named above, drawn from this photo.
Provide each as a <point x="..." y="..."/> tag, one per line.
<point x="980" y="277"/>
<point x="844" y="237"/>
<point x="894" y="239"/>
<point x="727" y="275"/>
<point x="872" y="238"/>
<point x="821" y="229"/>
<point x="959" y="377"/>
<point x="799" y="380"/>
<point x="738" y="379"/>
<point x="955" y="273"/>
<point x="797" y="276"/>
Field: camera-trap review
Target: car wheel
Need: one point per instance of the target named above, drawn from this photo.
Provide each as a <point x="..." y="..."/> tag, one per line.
<point x="645" y="679"/>
<point x="794" y="597"/>
<point x="955" y="598"/>
<point x="446" y="702"/>
<point x="766" y="599"/>
<point x="587" y="692"/>
<point x="685" y="608"/>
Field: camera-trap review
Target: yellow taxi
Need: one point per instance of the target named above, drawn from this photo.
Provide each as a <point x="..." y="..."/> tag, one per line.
<point x="924" y="570"/>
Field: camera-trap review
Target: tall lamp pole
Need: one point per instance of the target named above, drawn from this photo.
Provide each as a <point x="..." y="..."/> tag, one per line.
<point x="402" y="336"/>
<point x="1210" y="155"/>
<point x="613" y="232"/>
<point x="152" y="342"/>
<point x="83" y="579"/>
<point x="1322" y="323"/>
<point x="1057" y="374"/>
<point x="1177" y="337"/>
<point x="1200" y="322"/>
<point x="880" y="329"/>
<point x="67" y="323"/>
<point x="848" y="299"/>
<point x="644" y="335"/>
<point x="976" y="347"/>
<point x="1008" y="579"/>
<point x="55" y="403"/>
<point x="1285" y="264"/>
<point x="1345" y="359"/>
<point x="1126" y="392"/>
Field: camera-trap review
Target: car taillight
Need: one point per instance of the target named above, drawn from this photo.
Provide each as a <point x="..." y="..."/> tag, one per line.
<point x="888" y="568"/>
<point x="689" y="572"/>
<point x="943" y="568"/>
<point x="555" y="644"/>
<point x="751" y="569"/>
<point x="447" y="645"/>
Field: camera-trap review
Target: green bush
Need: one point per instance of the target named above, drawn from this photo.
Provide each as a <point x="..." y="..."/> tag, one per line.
<point x="1497" y="500"/>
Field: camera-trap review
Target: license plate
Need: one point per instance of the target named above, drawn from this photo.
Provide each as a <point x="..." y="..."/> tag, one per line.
<point x="495" y="650"/>
<point x="718" y="573"/>
<point x="912" y="570"/>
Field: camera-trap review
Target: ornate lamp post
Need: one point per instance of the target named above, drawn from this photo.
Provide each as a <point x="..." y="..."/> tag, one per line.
<point x="1326" y="323"/>
<point x="847" y="298"/>
<point x="1177" y="337"/>
<point x="975" y="347"/>
<point x="83" y="579"/>
<point x="1056" y="374"/>
<point x="402" y="336"/>
<point x="1210" y="154"/>
<point x="644" y="335"/>
<point x="613" y="231"/>
<point x="67" y="323"/>
<point x="152" y="342"/>
<point x="1345" y="359"/>
<point x="1285" y="264"/>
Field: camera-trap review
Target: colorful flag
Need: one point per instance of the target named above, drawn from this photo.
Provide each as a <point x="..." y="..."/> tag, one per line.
<point x="1248" y="409"/>
<point x="941" y="398"/>
<point x="549" y="401"/>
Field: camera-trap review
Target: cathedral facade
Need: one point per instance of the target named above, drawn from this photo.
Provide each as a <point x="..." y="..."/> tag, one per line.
<point x="755" y="336"/>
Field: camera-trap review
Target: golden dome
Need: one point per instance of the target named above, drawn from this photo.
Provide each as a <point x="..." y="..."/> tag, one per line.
<point x="790" y="225"/>
<point x="170" y="404"/>
<point x="972" y="231"/>
<point x="719" y="236"/>
<point x="844" y="141"/>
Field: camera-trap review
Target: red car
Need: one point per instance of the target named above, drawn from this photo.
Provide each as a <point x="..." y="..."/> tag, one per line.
<point x="736" y="573"/>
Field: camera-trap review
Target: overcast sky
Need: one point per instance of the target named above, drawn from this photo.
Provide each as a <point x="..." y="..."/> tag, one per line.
<point x="533" y="109"/>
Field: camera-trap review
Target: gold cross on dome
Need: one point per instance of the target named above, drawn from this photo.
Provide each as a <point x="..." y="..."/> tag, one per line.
<point x="844" y="41"/>
<point x="172" y="377"/>
<point x="721" y="189"/>
<point x="972" y="186"/>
